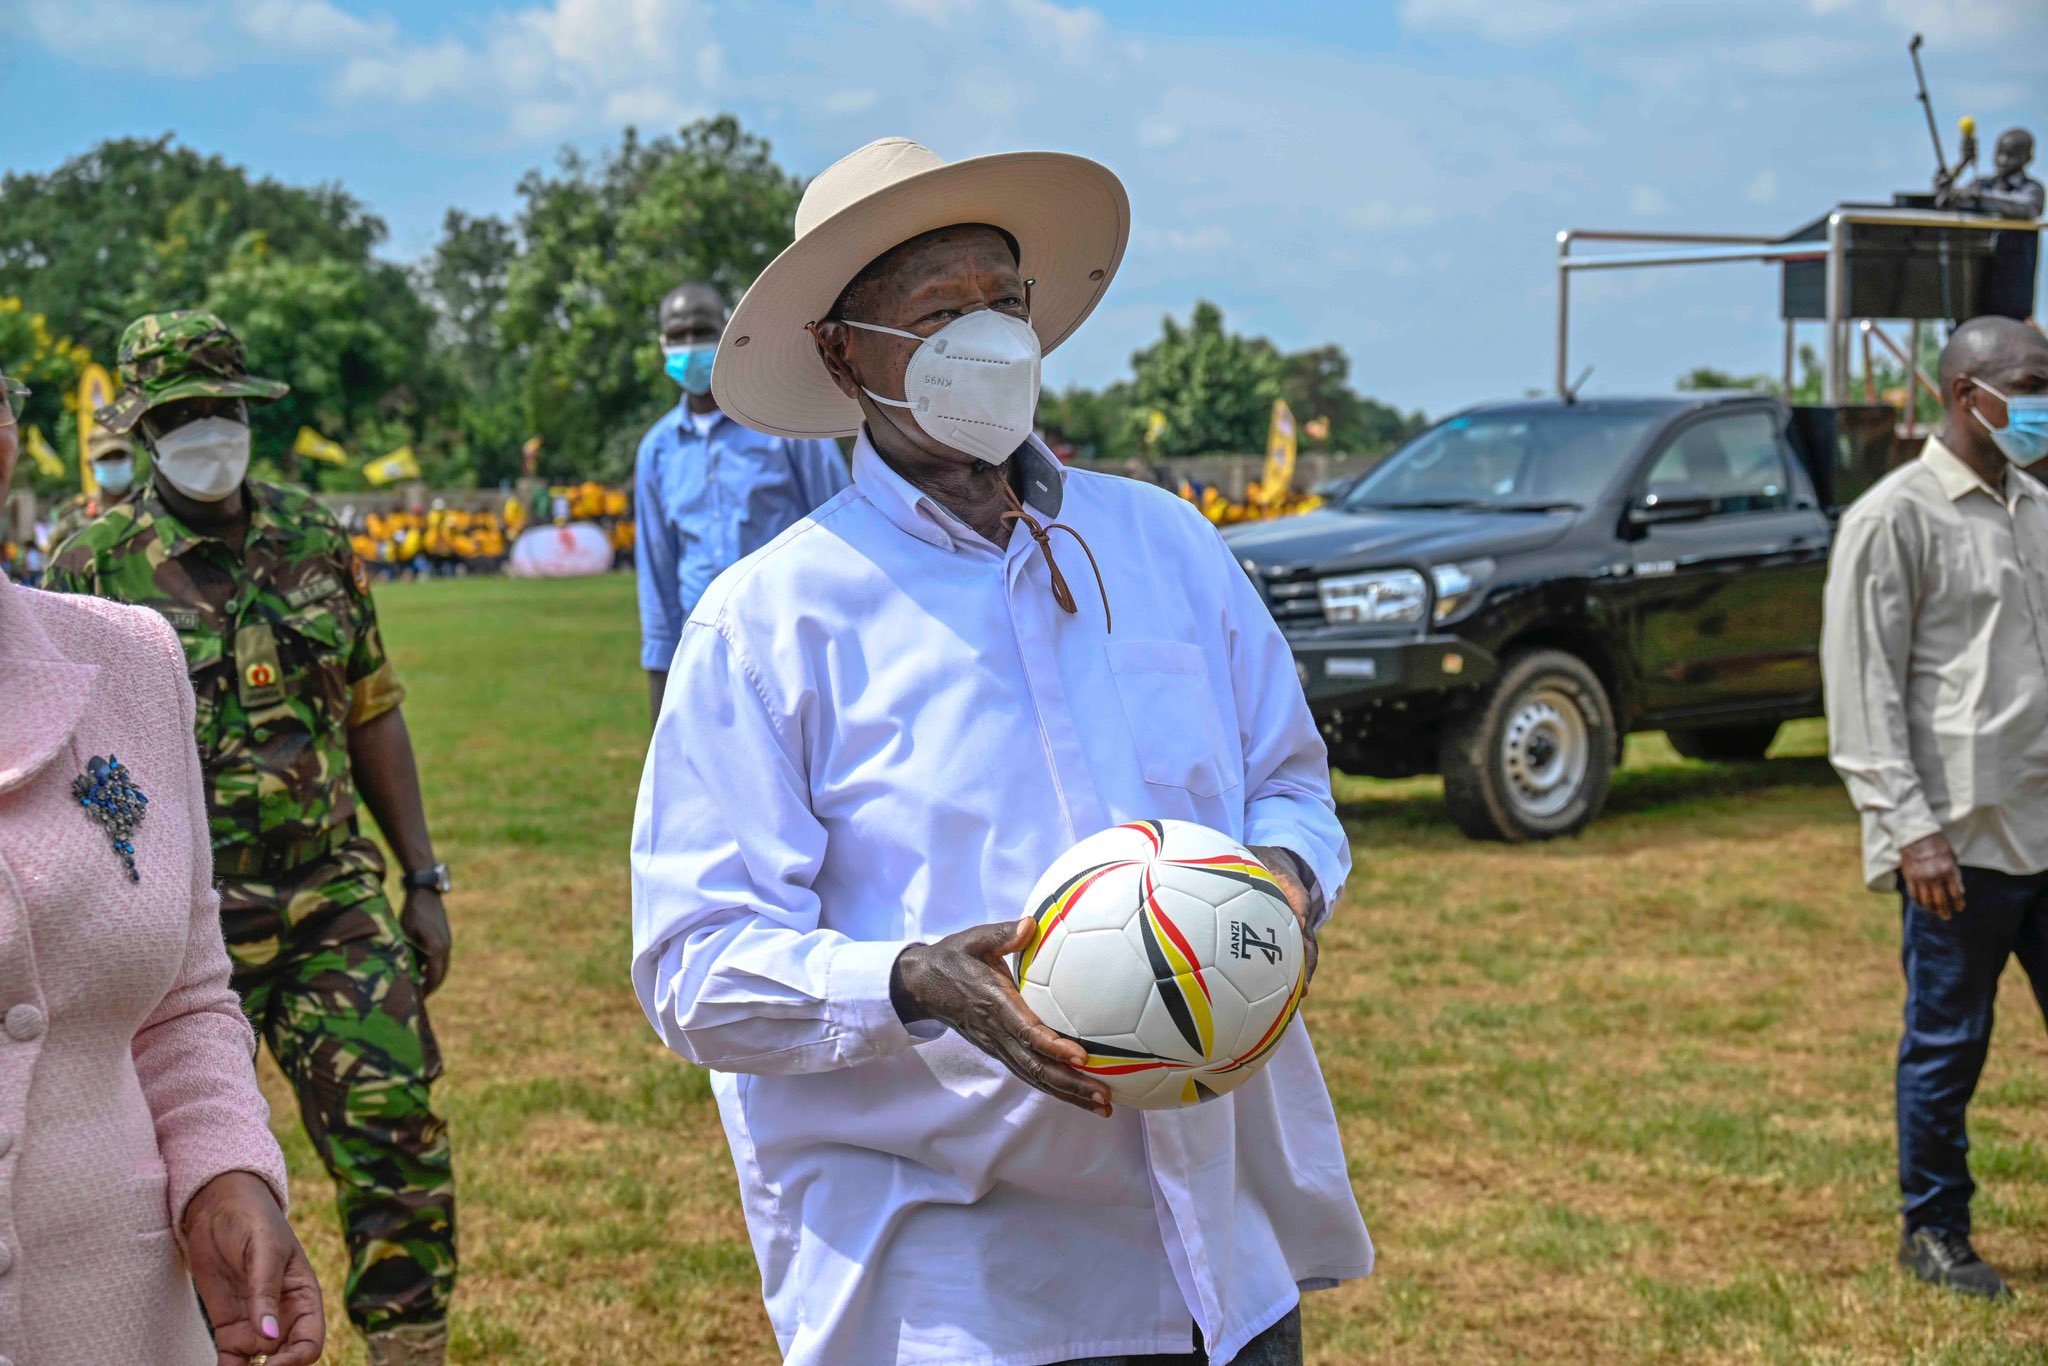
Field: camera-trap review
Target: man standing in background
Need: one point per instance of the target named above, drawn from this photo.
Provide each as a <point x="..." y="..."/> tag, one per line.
<point x="1935" y="650"/>
<point x="707" y="491"/>
<point x="113" y="470"/>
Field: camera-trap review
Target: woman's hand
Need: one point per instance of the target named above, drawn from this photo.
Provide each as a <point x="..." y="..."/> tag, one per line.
<point x="252" y="1275"/>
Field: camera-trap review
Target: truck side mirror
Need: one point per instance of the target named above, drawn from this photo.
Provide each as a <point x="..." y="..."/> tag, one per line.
<point x="1671" y="503"/>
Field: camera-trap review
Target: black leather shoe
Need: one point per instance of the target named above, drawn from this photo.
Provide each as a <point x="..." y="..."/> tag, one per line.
<point x="1947" y="1259"/>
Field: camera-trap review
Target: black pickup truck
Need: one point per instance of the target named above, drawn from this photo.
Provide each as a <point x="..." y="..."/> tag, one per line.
<point x="1519" y="586"/>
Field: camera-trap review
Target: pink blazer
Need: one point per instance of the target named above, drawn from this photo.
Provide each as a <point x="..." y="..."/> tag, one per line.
<point x="126" y="1075"/>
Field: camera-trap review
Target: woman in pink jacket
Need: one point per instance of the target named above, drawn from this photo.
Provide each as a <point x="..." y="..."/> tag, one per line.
<point x="136" y="1161"/>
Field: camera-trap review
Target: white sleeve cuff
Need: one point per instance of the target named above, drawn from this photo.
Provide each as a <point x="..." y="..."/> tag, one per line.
<point x="1287" y="835"/>
<point x="857" y="1002"/>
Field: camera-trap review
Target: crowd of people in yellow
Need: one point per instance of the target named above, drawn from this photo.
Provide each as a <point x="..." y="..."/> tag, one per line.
<point x="439" y="540"/>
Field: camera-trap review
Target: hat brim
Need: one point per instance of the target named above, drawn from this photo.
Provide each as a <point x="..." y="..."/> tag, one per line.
<point x="126" y="410"/>
<point x="1071" y="219"/>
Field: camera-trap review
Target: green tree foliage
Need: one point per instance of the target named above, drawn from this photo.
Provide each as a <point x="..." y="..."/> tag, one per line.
<point x="49" y="365"/>
<point x="1706" y="377"/>
<point x="539" y="324"/>
<point x="1216" y="388"/>
<point x="1094" y="422"/>
<point x="1317" y="384"/>
<point x="347" y="336"/>
<point x="601" y="241"/>
<point x="136" y="225"/>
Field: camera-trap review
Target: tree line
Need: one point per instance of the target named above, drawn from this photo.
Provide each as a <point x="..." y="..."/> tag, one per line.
<point x="537" y="324"/>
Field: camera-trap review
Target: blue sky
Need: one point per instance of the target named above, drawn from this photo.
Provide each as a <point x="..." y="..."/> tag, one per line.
<point x="1389" y="176"/>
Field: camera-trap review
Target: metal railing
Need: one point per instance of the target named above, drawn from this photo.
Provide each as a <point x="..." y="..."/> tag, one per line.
<point x="1716" y="248"/>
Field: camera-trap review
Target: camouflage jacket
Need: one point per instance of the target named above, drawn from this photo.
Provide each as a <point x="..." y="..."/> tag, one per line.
<point x="282" y="645"/>
<point x="78" y="513"/>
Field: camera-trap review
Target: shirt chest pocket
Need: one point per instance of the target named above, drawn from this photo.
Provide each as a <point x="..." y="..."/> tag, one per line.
<point x="1180" y="739"/>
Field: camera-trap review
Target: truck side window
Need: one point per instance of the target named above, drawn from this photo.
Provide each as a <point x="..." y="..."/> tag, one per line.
<point x="1737" y="459"/>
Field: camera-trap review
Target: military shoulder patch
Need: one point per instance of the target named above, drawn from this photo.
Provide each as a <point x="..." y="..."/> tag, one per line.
<point x="360" y="572"/>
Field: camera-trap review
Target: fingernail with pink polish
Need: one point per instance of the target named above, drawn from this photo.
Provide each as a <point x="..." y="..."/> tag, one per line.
<point x="270" y="1325"/>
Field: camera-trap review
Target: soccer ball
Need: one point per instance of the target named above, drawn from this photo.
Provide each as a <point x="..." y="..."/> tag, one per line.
<point x="1167" y="951"/>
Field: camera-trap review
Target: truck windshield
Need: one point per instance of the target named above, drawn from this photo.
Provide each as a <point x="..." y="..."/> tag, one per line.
<point x="1559" y="458"/>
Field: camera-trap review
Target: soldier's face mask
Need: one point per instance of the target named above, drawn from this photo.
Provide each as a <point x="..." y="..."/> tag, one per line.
<point x="115" y="476"/>
<point x="204" y="460"/>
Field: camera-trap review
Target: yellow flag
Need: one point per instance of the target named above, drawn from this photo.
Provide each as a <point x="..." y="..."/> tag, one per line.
<point x="310" y="445"/>
<point x="1280" y="449"/>
<point x="38" y="447"/>
<point x="397" y="466"/>
<point x="1155" y="424"/>
<point x="95" y="391"/>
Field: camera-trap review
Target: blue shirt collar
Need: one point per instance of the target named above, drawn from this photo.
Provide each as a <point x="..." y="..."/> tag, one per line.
<point x="684" y="418"/>
<point x="917" y="512"/>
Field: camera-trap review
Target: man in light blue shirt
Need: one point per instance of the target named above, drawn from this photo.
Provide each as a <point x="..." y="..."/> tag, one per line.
<point x="707" y="491"/>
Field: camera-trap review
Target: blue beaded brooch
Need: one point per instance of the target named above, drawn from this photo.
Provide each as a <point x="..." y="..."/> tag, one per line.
<point x="111" y="797"/>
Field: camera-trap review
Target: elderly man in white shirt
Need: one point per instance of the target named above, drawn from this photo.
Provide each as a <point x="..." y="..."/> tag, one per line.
<point x="881" y="728"/>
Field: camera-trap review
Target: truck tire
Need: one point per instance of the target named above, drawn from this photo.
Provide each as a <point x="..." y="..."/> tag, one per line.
<point x="1724" y="744"/>
<point x="1535" y="760"/>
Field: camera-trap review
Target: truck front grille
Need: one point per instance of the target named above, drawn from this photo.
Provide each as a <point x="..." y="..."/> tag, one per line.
<point x="1293" y="599"/>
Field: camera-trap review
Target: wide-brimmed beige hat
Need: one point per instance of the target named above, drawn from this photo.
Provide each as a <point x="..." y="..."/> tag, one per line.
<point x="1070" y="217"/>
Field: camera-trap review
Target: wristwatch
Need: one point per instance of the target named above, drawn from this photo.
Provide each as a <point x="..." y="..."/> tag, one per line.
<point x="434" y="879"/>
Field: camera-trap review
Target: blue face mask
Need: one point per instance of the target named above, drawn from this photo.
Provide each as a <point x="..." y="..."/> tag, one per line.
<point x="116" y="477"/>
<point x="2024" y="437"/>
<point x="689" y="366"/>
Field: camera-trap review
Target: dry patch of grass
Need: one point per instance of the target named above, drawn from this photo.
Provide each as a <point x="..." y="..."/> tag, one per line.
<point x="1622" y="1098"/>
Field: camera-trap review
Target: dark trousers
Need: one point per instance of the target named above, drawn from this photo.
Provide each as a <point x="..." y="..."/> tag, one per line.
<point x="1952" y="969"/>
<point x="1279" y="1345"/>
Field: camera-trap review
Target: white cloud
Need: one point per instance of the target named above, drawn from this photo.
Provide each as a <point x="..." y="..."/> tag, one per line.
<point x="314" y="28"/>
<point x="1200" y="241"/>
<point x="850" y="101"/>
<point x="1514" y="21"/>
<point x="1158" y="132"/>
<point x="552" y="69"/>
<point x="1076" y="34"/>
<point x="933" y="11"/>
<point x="1381" y="213"/>
<point x="1647" y="201"/>
<point x="119" y="33"/>
<point x="1763" y="189"/>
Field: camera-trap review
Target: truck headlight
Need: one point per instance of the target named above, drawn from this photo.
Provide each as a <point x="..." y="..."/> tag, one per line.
<point x="1384" y="597"/>
<point x="1458" y="587"/>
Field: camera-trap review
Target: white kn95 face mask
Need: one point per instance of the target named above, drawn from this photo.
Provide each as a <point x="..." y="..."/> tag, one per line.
<point x="973" y="384"/>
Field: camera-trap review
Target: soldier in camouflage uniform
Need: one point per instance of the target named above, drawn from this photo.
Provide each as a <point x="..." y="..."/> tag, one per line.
<point x="113" y="468"/>
<point x="298" y="711"/>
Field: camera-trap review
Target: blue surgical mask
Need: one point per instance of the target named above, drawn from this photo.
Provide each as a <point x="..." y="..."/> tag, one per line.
<point x="689" y="366"/>
<point x="115" y="476"/>
<point x="2024" y="437"/>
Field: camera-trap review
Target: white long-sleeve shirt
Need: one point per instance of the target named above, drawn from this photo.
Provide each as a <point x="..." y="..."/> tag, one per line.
<point x="879" y="730"/>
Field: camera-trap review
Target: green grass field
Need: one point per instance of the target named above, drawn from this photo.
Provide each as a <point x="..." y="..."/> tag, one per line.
<point x="1623" y="1098"/>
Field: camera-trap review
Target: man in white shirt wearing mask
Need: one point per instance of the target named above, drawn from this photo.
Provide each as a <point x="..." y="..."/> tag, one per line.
<point x="879" y="731"/>
<point x="706" y="490"/>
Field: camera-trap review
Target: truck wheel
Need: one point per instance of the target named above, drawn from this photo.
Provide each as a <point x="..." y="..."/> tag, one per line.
<point x="1535" y="761"/>
<point x="1724" y="744"/>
